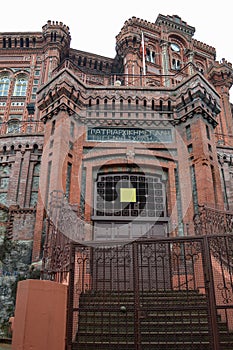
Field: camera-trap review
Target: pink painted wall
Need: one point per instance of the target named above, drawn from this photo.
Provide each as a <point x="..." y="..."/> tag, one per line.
<point x="40" y="316"/>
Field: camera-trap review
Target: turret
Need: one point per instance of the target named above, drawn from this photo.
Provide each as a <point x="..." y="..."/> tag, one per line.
<point x="220" y="75"/>
<point x="56" y="33"/>
<point x="57" y="44"/>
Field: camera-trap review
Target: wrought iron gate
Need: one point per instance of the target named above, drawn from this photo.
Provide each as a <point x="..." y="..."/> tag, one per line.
<point x="152" y="294"/>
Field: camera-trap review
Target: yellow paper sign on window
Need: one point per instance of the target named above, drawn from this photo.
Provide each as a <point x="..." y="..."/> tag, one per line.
<point x="127" y="195"/>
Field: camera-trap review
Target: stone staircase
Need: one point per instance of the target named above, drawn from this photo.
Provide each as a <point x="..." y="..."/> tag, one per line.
<point x="165" y="320"/>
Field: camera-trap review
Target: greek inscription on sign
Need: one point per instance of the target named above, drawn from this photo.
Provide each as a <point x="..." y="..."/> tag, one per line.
<point x="129" y="134"/>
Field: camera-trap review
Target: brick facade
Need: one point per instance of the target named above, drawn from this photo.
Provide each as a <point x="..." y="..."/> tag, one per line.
<point x="166" y="116"/>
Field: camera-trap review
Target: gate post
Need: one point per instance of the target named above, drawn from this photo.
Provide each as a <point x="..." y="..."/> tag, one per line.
<point x="70" y="299"/>
<point x="137" y="331"/>
<point x="40" y="315"/>
<point x="210" y="291"/>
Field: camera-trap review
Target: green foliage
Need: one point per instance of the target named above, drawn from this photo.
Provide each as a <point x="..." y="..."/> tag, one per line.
<point x="15" y="265"/>
<point x="5" y="248"/>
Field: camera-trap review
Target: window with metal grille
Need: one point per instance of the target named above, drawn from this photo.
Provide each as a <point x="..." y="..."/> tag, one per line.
<point x="129" y="195"/>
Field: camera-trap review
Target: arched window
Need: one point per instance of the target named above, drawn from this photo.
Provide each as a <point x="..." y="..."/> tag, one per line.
<point x="150" y="55"/>
<point x="35" y="148"/>
<point x="178" y="67"/>
<point x="176" y="64"/>
<point x="20" y="86"/>
<point x="4" y="85"/>
<point x="35" y="185"/>
<point x="79" y="61"/>
<point x="53" y="36"/>
<point x="13" y="127"/>
<point x="153" y="57"/>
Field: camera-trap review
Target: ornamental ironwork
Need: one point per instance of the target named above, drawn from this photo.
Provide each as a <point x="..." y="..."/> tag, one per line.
<point x="64" y="225"/>
<point x="212" y="221"/>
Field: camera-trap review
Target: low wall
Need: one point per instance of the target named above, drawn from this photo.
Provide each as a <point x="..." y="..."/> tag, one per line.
<point x="40" y="316"/>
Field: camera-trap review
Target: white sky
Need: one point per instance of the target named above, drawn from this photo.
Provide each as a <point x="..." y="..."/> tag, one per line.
<point x="94" y="24"/>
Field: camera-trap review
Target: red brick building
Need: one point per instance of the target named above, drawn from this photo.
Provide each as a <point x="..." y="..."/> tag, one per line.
<point x="136" y="143"/>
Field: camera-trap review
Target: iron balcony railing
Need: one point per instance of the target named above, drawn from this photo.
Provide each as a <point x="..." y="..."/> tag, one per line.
<point x="121" y="79"/>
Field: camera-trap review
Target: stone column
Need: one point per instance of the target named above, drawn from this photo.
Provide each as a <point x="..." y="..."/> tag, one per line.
<point x="165" y="63"/>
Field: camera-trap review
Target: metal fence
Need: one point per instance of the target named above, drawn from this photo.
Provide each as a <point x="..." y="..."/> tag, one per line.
<point x="164" y="294"/>
<point x="171" y="293"/>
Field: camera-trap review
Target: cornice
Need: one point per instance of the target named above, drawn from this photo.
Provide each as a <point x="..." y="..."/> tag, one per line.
<point x="67" y="93"/>
<point x="108" y="122"/>
<point x="62" y="107"/>
<point x="200" y="111"/>
<point x="15" y="209"/>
